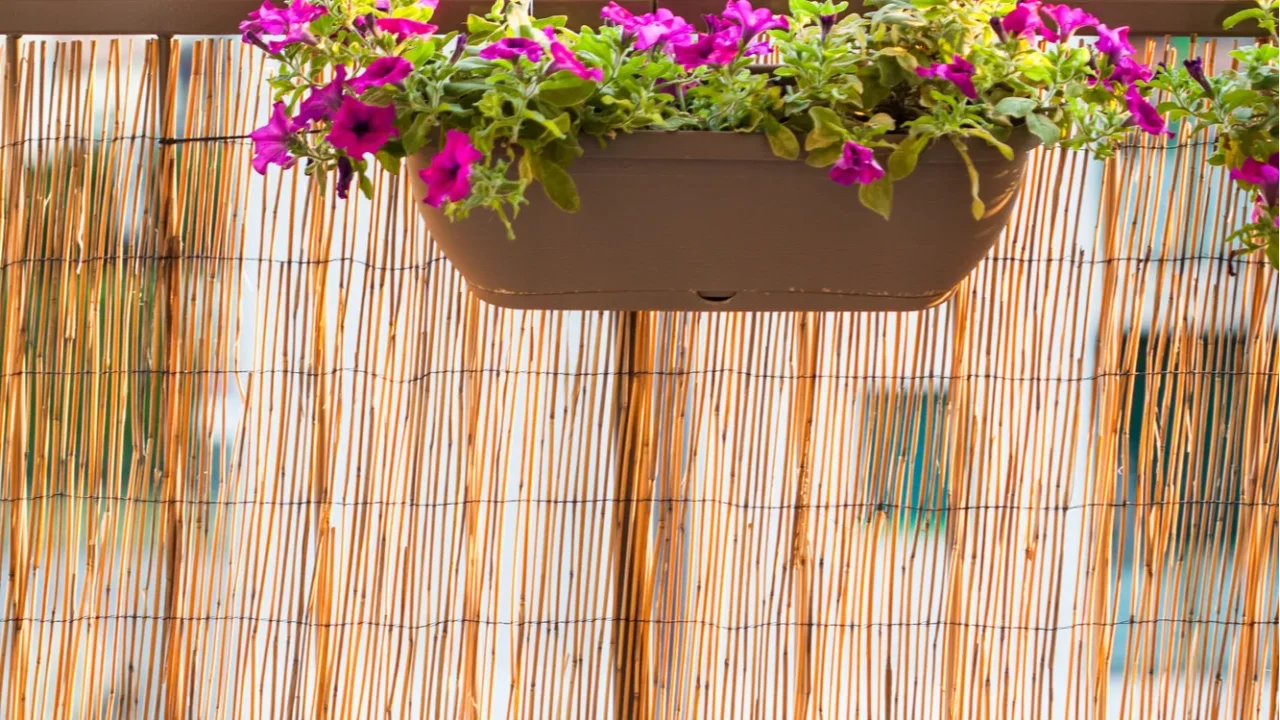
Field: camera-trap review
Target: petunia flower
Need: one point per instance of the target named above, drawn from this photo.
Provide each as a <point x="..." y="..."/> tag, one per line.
<point x="448" y="177"/>
<point x="385" y="5"/>
<point x="1143" y="113"/>
<point x="323" y="102"/>
<point x="1024" y="19"/>
<point x="753" y="21"/>
<point x="1066" y="20"/>
<point x="383" y="71"/>
<point x="620" y="16"/>
<point x="959" y="71"/>
<point x="1128" y="71"/>
<point x="1114" y="43"/>
<point x="826" y="22"/>
<point x="404" y="28"/>
<point x="1195" y="68"/>
<point x="512" y="48"/>
<point x="660" y="29"/>
<point x="360" y="129"/>
<point x="345" y="173"/>
<point x="562" y="58"/>
<point x="1261" y="207"/>
<point x="718" y="48"/>
<point x="1264" y="176"/>
<point x="857" y="164"/>
<point x="271" y="141"/>
<point x="274" y="28"/>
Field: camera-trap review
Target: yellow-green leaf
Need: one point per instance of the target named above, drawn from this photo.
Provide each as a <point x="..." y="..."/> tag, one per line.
<point x="878" y="196"/>
<point x="781" y="140"/>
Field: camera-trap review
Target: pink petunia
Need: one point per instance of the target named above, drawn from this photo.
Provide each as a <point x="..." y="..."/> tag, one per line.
<point x="383" y="71"/>
<point x="403" y="28"/>
<point x="323" y="102"/>
<point x="360" y="129"/>
<point x="448" y="177"/>
<point x="271" y="141"/>
<point x="959" y="72"/>
<point x="857" y="165"/>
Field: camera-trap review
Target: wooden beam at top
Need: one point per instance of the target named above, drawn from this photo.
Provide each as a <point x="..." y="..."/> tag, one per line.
<point x="221" y="17"/>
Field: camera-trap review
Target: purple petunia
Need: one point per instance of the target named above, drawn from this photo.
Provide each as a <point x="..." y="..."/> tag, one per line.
<point x="448" y="177"/>
<point x="1195" y="68"/>
<point x="360" y="129"/>
<point x="323" y="102"/>
<point x="345" y="172"/>
<point x="403" y="28"/>
<point x="717" y="48"/>
<point x="620" y="16"/>
<point x="1129" y="71"/>
<point x="1024" y="19"/>
<point x="1264" y="176"/>
<point x="1143" y="113"/>
<point x="272" y="28"/>
<point x="562" y="58"/>
<point x="386" y="4"/>
<point x="383" y="71"/>
<point x="753" y="21"/>
<point x="857" y="164"/>
<point x="959" y="71"/>
<point x="271" y="141"/>
<point x="1114" y="43"/>
<point x="1066" y="20"/>
<point x="511" y="49"/>
<point x="661" y="28"/>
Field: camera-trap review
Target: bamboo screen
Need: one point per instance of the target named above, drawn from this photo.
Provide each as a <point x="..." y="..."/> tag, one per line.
<point x="261" y="455"/>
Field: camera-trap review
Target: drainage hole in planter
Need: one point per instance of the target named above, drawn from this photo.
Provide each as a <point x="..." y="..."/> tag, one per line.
<point x="716" y="297"/>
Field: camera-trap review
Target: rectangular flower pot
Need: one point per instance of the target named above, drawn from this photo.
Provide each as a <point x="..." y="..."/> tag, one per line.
<point x="714" y="221"/>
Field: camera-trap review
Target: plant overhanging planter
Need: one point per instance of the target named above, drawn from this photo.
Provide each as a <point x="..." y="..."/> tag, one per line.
<point x="715" y="221"/>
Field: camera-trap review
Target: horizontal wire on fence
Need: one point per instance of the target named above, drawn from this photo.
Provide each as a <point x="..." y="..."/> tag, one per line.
<point x="695" y="372"/>
<point x="694" y="622"/>
<point x="716" y="502"/>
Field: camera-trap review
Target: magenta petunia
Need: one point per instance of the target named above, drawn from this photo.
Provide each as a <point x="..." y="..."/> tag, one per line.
<point x="959" y="72"/>
<point x="562" y="58"/>
<point x="271" y="141"/>
<point x="1066" y="20"/>
<point x="1143" y="113"/>
<point x="1264" y="176"/>
<point x="718" y="48"/>
<point x="385" y="5"/>
<point x="323" y="102"/>
<point x="511" y="49"/>
<point x="662" y="29"/>
<point x="1128" y="71"/>
<point x="360" y="129"/>
<point x="752" y="20"/>
<point x="1024" y="19"/>
<point x="857" y="165"/>
<point x="273" y="28"/>
<point x="620" y="16"/>
<point x="403" y="28"/>
<point x="448" y="177"/>
<point x="1114" y="43"/>
<point x="383" y="71"/>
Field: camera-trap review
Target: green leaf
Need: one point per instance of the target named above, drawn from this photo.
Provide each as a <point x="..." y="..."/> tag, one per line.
<point x="1273" y="253"/>
<point x="552" y="126"/>
<point x="827" y="129"/>
<point x="564" y="89"/>
<point x="823" y="156"/>
<point x="978" y="207"/>
<point x="1004" y="150"/>
<point x="1016" y="107"/>
<point x="557" y="183"/>
<point x="366" y="187"/>
<point x="416" y="136"/>
<point x="884" y="120"/>
<point x="781" y="140"/>
<point x="479" y="27"/>
<point x="902" y="161"/>
<point x="389" y="162"/>
<point x="1044" y="128"/>
<point x="878" y="196"/>
<point x="1250" y="14"/>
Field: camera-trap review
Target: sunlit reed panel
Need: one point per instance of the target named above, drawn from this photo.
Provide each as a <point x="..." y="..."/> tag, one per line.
<point x="261" y="456"/>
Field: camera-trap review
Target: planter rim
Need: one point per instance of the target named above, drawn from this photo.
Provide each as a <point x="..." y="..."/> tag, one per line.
<point x="663" y="145"/>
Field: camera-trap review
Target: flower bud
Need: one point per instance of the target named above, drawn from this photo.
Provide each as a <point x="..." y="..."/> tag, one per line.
<point x="459" y="46"/>
<point x="1195" y="68"/>
<point x="827" y="22"/>
<point x="998" y="25"/>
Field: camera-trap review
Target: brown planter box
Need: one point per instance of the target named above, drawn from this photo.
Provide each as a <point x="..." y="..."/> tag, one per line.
<point x="714" y="221"/>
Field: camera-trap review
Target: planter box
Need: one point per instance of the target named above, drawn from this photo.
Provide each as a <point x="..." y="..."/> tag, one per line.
<point x="714" y="221"/>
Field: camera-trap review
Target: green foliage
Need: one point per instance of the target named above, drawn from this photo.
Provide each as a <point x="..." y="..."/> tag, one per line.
<point x="1240" y="106"/>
